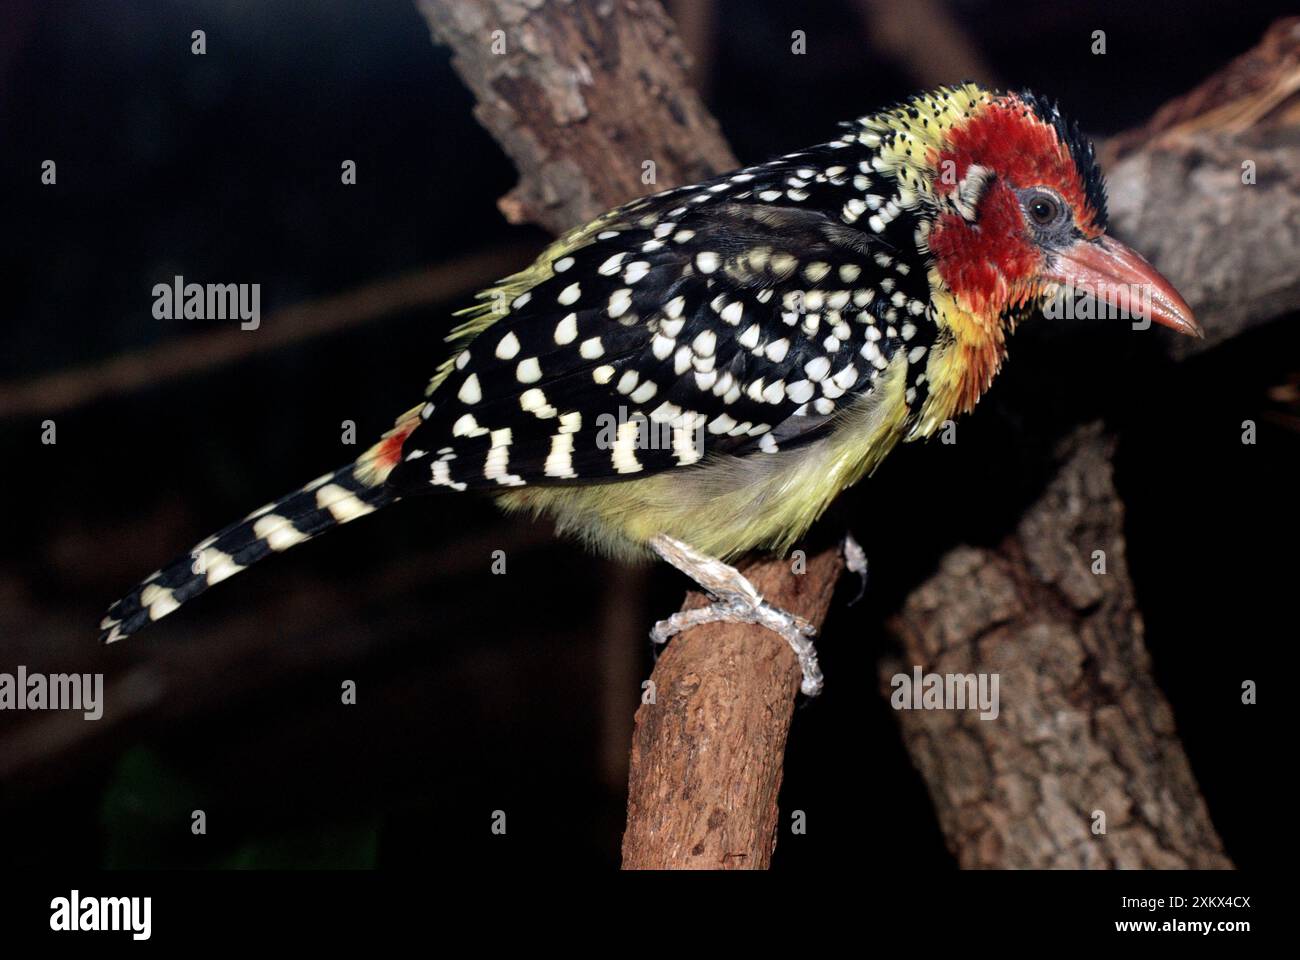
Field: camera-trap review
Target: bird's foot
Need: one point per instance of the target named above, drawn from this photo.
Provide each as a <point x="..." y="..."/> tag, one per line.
<point x="855" y="559"/>
<point x="736" y="600"/>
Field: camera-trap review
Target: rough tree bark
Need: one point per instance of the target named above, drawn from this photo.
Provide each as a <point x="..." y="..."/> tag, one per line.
<point x="1083" y="727"/>
<point x="707" y="755"/>
<point x="580" y="95"/>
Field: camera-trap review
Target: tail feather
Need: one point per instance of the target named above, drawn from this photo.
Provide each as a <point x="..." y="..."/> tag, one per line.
<point x="328" y="501"/>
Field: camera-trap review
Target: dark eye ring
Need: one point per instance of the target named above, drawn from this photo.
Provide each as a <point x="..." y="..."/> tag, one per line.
<point x="1044" y="210"/>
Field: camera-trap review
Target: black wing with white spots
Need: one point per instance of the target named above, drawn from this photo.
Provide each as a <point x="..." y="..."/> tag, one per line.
<point x="735" y="316"/>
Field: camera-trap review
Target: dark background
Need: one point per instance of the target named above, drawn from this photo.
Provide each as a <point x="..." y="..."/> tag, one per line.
<point x="480" y="692"/>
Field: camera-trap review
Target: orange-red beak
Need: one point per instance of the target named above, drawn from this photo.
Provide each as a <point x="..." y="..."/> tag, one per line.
<point x="1119" y="277"/>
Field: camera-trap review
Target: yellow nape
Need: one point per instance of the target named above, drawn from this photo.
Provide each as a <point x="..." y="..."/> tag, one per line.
<point x="908" y="144"/>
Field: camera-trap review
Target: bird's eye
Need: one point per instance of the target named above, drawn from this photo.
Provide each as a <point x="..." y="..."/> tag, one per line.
<point x="1044" y="210"/>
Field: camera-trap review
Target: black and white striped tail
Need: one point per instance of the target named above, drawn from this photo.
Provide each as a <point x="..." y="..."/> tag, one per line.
<point x="324" y="503"/>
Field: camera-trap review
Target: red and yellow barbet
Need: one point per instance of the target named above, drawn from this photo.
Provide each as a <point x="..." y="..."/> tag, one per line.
<point x="781" y="328"/>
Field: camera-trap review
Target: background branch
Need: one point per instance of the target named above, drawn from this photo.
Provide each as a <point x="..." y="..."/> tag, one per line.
<point x="580" y="95"/>
<point x="191" y="355"/>
<point x="1083" y="727"/>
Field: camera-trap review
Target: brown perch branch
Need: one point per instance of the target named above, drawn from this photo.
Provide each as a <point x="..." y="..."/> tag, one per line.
<point x="707" y="753"/>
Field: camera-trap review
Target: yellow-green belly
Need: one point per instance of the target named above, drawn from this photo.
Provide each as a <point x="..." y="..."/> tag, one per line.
<point x="729" y="505"/>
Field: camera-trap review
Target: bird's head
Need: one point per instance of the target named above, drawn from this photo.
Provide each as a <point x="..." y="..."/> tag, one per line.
<point x="1019" y="213"/>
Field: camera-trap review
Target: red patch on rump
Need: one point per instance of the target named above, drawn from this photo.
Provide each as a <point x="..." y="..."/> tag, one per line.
<point x="389" y="449"/>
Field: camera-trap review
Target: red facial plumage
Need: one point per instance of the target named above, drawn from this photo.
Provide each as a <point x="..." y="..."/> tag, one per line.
<point x="977" y="260"/>
<point x="988" y="263"/>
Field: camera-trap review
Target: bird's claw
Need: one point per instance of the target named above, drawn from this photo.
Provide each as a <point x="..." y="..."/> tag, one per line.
<point x="736" y="600"/>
